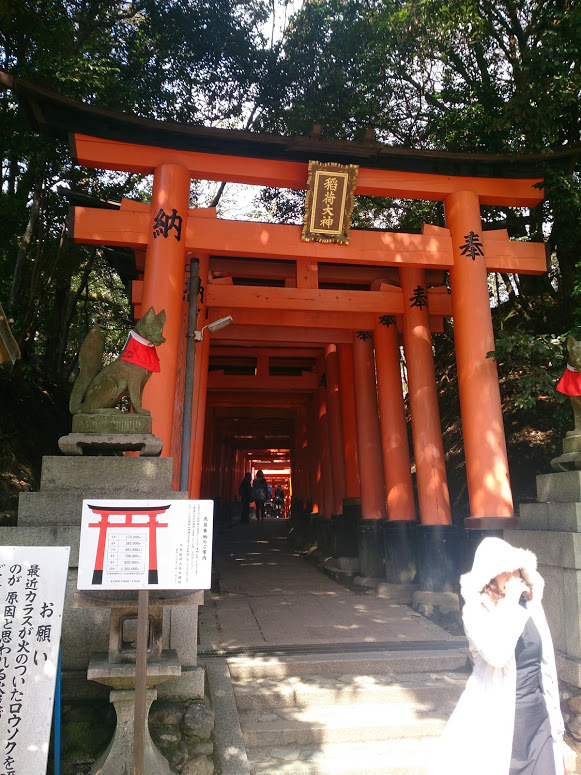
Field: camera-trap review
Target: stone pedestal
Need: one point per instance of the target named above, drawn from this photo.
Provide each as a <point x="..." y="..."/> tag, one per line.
<point x="116" y="422"/>
<point x="370" y="549"/>
<point x="572" y="442"/>
<point x="400" y="550"/>
<point x="121" y="675"/>
<point x="345" y="536"/>
<point x="118" y="758"/>
<point x="570" y="460"/>
<point x="551" y="528"/>
<point x="52" y="517"/>
<point x="102" y="443"/>
<point x="324" y="536"/>
<point x="437" y="553"/>
<point x="313" y="530"/>
<point x="118" y="669"/>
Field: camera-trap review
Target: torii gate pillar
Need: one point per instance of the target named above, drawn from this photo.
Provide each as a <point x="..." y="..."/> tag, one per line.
<point x="437" y="538"/>
<point x="200" y="388"/>
<point x="394" y="441"/>
<point x="484" y="443"/>
<point x="326" y="502"/>
<point x="433" y="497"/>
<point x="349" y="423"/>
<point x="370" y="460"/>
<point x="163" y="285"/>
<point x="399" y="535"/>
<point x="335" y="430"/>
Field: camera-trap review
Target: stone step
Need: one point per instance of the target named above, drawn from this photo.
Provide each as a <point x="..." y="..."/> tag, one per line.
<point x="342" y="723"/>
<point x="397" y="738"/>
<point x="425" y="689"/>
<point x="337" y="664"/>
<point x="385" y="757"/>
<point x="108" y="476"/>
<point x="563" y="487"/>
<point x="51" y="535"/>
<point x="53" y="508"/>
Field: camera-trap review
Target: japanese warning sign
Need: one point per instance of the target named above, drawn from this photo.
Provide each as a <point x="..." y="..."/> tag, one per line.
<point x="32" y="591"/>
<point x="145" y="544"/>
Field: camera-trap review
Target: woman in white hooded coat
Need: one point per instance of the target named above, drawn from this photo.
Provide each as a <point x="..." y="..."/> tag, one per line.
<point x="478" y="738"/>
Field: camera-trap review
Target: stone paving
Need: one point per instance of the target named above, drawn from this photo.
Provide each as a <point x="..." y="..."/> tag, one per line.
<point x="269" y="595"/>
<point x="330" y="701"/>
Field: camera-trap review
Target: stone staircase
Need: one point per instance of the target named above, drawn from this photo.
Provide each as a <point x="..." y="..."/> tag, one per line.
<point x="359" y="713"/>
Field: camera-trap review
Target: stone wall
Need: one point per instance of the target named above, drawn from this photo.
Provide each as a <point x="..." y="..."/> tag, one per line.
<point x="183" y="733"/>
<point x="52" y="517"/>
<point x="551" y="528"/>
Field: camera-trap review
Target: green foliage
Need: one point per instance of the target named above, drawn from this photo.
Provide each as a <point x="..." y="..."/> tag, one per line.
<point x="476" y="75"/>
<point x="576" y="296"/>
<point x="530" y="367"/>
<point x="192" y="61"/>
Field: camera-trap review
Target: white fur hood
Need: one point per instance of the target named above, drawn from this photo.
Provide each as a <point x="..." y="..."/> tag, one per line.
<point x="494" y="556"/>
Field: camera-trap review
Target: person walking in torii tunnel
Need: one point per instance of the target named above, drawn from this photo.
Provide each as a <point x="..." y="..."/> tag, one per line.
<point x="260" y="494"/>
<point x="245" y="493"/>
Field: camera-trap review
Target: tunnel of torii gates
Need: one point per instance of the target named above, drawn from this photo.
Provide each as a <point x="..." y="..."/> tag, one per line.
<point x="309" y="375"/>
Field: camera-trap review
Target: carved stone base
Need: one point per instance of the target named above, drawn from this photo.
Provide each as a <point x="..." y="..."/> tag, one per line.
<point x="570" y="461"/>
<point x="118" y="758"/>
<point x="75" y="443"/>
<point x="121" y="675"/>
<point x="119" y="422"/>
<point x="572" y="442"/>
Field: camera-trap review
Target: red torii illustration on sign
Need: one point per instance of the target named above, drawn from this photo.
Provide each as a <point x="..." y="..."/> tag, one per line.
<point x="129" y="512"/>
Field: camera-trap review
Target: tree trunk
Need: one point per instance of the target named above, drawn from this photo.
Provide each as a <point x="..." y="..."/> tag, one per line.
<point x="31" y="228"/>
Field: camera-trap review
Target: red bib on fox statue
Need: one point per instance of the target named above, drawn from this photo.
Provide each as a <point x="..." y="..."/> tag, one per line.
<point x="140" y="351"/>
<point x="570" y="382"/>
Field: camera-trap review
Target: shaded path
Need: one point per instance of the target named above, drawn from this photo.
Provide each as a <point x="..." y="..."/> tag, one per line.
<point x="271" y="596"/>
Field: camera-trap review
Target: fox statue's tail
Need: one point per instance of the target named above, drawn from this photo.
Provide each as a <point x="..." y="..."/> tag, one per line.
<point x="90" y="364"/>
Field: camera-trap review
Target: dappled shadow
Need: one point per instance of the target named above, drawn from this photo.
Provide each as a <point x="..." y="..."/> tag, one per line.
<point x="323" y="675"/>
<point x="381" y="719"/>
<point x="268" y="595"/>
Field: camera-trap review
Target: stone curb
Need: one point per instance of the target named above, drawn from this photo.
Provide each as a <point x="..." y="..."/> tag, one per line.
<point x="230" y="746"/>
<point x="229" y="743"/>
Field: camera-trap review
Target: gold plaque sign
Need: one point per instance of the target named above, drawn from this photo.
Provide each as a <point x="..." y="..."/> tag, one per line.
<point x="329" y="202"/>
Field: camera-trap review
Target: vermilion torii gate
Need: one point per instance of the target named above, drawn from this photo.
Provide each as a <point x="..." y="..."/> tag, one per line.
<point x="203" y="234"/>
<point x="345" y="306"/>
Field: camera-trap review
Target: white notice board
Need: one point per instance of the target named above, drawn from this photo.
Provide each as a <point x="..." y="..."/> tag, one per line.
<point x="32" y="592"/>
<point x="145" y="544"/>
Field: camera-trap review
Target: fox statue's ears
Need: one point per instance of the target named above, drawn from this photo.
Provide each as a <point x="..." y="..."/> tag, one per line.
<point x="151" y="314"/>
<point x="148" y="315"/>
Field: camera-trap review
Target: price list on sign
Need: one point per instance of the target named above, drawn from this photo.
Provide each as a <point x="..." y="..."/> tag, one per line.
<point x="32" y="591"/>
<point x="126" y="553"/>
<point x="145" y="544"/>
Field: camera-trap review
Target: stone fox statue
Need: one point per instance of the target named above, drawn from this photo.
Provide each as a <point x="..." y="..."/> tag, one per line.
<point x="98" y="390"/>
<point x="570" y="382"/>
